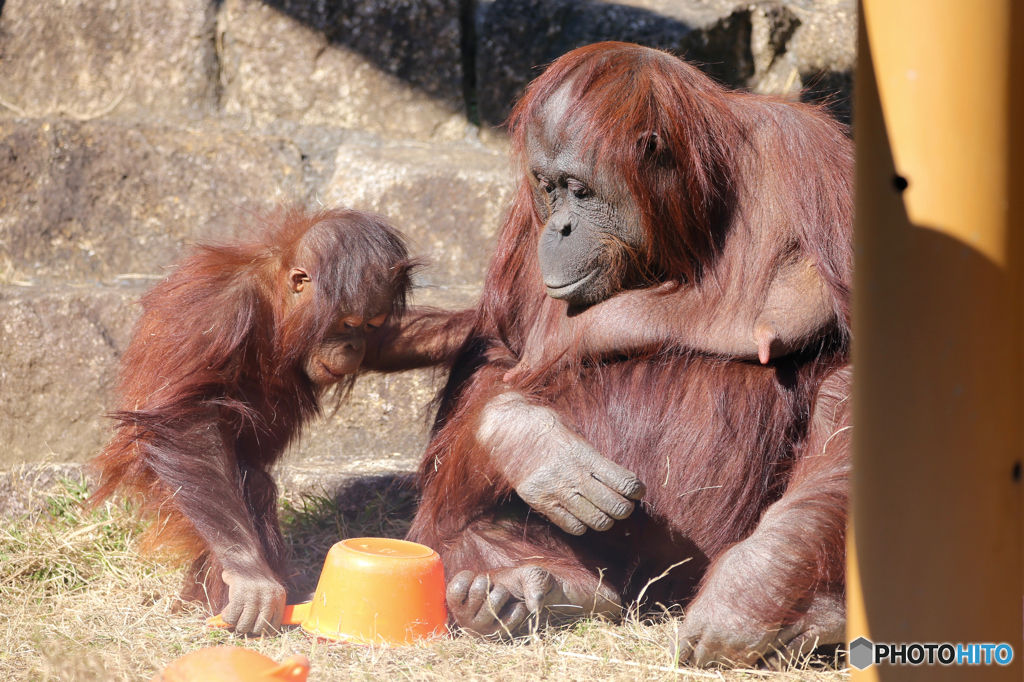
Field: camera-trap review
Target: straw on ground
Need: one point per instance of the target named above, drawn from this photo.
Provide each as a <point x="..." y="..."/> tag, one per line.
<point x="77" y="602"/>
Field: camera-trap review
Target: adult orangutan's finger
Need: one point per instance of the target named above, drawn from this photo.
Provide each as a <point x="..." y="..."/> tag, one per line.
<point x="458" y="589"/>
<point x="496" y="600"/>
<point x="513" y="617"/>
<point x="617" y="478"/>
<point x="584" y="510"/>
<point x="605" y="499"/>
<point x="536" y="584"/>
<point x="565" y="520"/>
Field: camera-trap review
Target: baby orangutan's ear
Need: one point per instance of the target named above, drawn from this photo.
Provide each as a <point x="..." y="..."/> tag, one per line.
<point x="297" y="278"/>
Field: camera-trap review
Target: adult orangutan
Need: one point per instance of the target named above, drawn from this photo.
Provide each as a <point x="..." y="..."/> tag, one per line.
<point x="666" y="319"/>
<point x="233" y="353"/>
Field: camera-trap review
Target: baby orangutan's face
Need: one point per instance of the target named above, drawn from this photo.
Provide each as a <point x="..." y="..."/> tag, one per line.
<point x="342" y="349"/>
<point x="344" y="345"/>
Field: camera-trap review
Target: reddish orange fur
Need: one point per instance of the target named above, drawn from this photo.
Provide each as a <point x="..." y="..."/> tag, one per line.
<point x="211" y="390"/>
<point x="717" y="442"/>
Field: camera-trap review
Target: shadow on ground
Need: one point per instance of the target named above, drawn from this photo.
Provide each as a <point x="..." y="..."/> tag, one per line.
<point x="372" y="506"/>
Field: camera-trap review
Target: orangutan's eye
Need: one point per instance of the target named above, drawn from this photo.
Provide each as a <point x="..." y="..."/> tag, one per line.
<point x="578" y="189"/>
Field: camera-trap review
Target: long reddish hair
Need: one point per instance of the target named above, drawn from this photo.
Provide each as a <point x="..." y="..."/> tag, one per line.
<point x="620" y="95"/>
<point x="217" y="334"/>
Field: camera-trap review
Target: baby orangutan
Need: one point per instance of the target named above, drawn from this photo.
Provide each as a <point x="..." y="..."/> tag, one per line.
<point x="233" y="353"/>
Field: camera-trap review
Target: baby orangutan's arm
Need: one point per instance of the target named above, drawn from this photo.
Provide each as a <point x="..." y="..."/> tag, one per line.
<point x="424" y="337"/>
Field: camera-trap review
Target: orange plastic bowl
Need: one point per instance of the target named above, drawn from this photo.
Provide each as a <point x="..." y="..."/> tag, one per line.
<point x="233" y="664"/>
<point x="379" y="591"/>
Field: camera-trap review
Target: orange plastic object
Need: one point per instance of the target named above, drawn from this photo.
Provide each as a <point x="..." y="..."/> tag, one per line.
<point x="296" y="613"/>
<point x="379" y="591"/>
<point x="233" y="664"/>
<point x="293" y="615"/>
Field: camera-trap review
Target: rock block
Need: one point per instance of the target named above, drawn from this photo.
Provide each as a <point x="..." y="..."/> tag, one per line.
<point x="807" y="48"/>
<point x="58" y="354"/>
<point x="390" y="67"/>
<point x="92" y="201"/>
<point x="779" y="46"/>
<point x="85" y="59"/>
<point x="516" y="38"/>
<point x="448" y="199"/>
<point x="381" y="428"/>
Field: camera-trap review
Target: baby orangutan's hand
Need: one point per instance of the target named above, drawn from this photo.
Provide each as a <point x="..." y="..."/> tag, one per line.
<point x="255" y="602"/>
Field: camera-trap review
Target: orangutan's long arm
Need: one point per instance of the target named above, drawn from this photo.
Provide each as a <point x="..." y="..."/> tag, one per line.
<point x="424" y="337"/>
<point x="785" y="311"/>
<point x="743" y="322"/>
<point x="201" y="479"/>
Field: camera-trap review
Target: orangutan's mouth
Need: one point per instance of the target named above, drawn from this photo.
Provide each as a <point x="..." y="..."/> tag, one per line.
<point x="568" y="290"/>
<point x="336" y="375"/>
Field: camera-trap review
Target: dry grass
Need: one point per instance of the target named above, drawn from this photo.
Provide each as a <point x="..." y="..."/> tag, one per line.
<point x="78" y="603"/>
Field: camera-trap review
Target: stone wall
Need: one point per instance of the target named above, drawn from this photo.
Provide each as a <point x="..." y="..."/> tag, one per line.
<point x="130" y="129"/>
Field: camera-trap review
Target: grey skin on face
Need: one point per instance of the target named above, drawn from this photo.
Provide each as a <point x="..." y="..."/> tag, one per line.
<point x="591" y="217"/>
